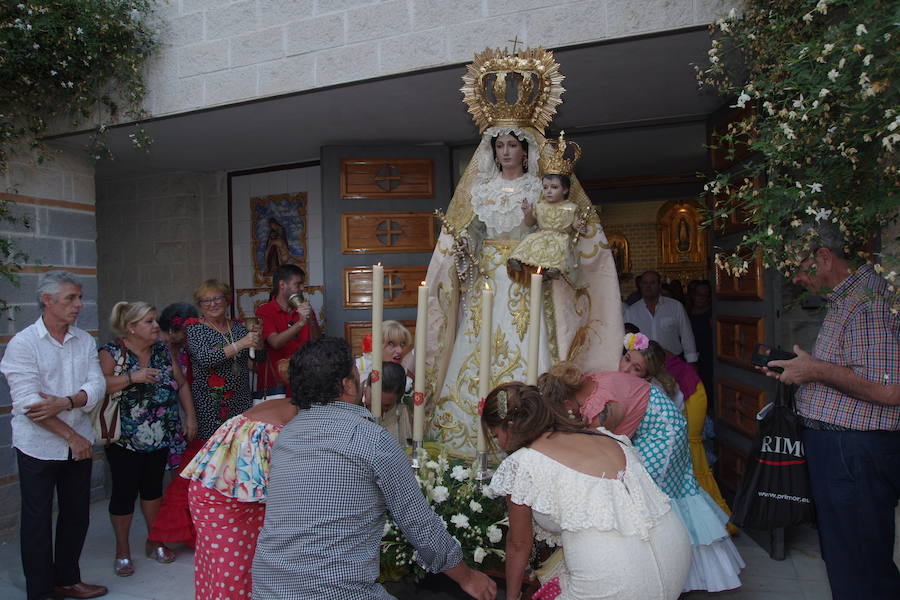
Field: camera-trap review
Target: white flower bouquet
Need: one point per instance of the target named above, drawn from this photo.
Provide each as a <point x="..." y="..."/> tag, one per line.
<point x="477" y="520"/>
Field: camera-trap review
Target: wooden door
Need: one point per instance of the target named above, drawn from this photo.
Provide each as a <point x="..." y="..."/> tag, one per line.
<point x="378" y="205"/>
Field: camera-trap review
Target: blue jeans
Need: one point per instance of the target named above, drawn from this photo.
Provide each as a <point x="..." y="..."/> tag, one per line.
<point x="855" y="478"/>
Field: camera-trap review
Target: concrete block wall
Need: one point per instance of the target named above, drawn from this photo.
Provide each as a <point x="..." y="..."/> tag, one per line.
<point x="637" y="222"/>
<point x="159" y="237"/>
<point x="58" y="198"/>
<point x="215" y="52"/>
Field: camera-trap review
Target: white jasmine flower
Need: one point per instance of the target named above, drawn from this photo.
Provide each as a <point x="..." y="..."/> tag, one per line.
<point x="868" y="59"/>
<point x="439" y="494"/>
<point x="387" y="528"/>
<point x="460" y="473"/>
<point x="431" y="465"/>
<point x="460" y="520"/>
<point x="799" y="102"/>
<point x="796" y="223"/>
<point x="827" y="48"/>
<point x="808" y="17"/>
<point x="770" y="231"/>
<point x="824" y="92"/>
<point x="788" y="132"/>
<point x="822" y="214"/>
<point x="494" y="533"/>
<point x="822" y="7"/>
<point x="861" y="29"/>
<point x="474" y="506"/>
<point x="814" y="187"/>
<point x="79" y="31"/>
<point x="742" y="100"/>
<point x="479" y="554"/>
<point x="833" y="74"/>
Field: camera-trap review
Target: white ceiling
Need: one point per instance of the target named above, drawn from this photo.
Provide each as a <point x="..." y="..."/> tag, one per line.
<point x="633" y="104"/>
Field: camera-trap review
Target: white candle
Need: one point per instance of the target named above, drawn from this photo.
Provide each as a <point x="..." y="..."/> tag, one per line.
<point x="484" y="370"/>
<point x="534" y="327"/>
<point x="377" y="343"/>
<point x="419" y="384"/>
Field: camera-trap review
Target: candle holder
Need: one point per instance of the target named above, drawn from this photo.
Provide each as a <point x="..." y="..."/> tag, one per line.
<point x="482" y="472"/>
<point x="418" y="455"/>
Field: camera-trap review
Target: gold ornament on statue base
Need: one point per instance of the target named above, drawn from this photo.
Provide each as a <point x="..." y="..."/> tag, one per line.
<point x="536" y="81"/>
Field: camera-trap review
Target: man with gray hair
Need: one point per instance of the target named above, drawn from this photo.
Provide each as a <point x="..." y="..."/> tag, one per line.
<point x="54" y="379"/>
<point x="848" y="400"/>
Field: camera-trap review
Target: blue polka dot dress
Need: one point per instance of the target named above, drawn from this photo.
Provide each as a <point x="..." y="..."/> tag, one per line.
<point x="662" y="441"/>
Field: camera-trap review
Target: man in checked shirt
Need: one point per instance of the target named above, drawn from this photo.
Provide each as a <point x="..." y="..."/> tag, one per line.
<point x="849" y="404"/>
<point x="335" y="474"/>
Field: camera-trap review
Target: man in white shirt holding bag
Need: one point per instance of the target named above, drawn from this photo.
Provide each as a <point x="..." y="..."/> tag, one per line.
<point x="54" y="379"/>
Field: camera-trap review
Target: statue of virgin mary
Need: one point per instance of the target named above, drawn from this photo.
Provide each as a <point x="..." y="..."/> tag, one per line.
<point x="484" y="223"/>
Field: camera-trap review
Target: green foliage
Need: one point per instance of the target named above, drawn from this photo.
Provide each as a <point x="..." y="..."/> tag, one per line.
<point x="11" y="258"/>
<point x="820" y="80"/>
<point x="478" y="521"/>
<point x="75" y="60"/>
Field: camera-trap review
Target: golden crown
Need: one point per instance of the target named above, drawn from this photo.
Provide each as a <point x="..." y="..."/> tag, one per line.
<point x="555" y="162"/>
<point x="492" y="78"/>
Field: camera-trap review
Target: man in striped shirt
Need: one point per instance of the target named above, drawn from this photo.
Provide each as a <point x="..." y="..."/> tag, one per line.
<point x="335" y="474"/>
<point x="849" y="403"/>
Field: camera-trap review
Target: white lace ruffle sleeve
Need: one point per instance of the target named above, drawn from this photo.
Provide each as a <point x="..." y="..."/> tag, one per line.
<point x="630" y="504"/>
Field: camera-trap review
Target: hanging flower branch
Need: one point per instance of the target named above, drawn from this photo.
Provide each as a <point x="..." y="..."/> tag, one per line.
<point x="79" y="60"/>
<point x="818" y="80"/>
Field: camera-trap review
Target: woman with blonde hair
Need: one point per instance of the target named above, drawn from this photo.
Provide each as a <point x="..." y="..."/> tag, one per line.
<point x="397" y="341"/>
<point x="138" y="365"/>
<point x="586" y="490"/>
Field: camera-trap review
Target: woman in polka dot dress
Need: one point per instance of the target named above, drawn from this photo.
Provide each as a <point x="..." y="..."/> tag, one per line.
<point x="662" y="441"/>
<point x="228" y="481"/>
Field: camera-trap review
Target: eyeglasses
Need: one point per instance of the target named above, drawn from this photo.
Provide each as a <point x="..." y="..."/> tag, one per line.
<point x="216" y="300"/>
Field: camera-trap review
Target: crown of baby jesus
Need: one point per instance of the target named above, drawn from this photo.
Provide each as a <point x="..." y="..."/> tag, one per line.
<point x="553" y="159"/>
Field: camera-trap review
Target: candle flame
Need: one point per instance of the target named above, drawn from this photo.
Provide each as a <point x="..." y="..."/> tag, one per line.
<point x="538" y="270"/>
<point x="487" y="287"/>
<point x="423" y="283"/>
<point x="379" y="264"/>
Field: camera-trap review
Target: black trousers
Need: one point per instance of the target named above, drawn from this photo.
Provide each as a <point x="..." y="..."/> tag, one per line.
<point x="44" y="565"/>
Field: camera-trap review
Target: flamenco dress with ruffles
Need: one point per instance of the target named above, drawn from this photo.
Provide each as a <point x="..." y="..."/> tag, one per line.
<point x="228" y="479"/>
<point x="619" y="535"/>
<point x="662" y="441"/>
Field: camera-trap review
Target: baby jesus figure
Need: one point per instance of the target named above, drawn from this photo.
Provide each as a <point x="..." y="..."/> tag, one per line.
<point x="551" y="247"/>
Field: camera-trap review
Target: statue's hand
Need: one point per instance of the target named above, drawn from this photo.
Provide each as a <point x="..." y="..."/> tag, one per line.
<point x="580" y="226"/>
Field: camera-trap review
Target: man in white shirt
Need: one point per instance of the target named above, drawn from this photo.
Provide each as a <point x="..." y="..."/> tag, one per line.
<point x="54" y="379"/>
<point x="662" y="319"/>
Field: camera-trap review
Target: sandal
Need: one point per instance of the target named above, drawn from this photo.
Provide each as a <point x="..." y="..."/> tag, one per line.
<point x="159" y="552"/>
<point x="123" y="567"/>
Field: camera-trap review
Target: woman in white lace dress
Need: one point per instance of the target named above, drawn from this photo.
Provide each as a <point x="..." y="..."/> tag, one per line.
<point x="587" y="491"/>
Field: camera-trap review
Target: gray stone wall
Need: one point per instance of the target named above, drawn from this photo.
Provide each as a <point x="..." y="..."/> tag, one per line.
<point x="159" y="237"/>
<point x="57" y="198"/>
<point x="216" y="52"/>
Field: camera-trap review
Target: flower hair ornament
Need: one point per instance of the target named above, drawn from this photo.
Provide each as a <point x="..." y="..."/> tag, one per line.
<point x="502" y="406"/>
<point x="636" y="341"/>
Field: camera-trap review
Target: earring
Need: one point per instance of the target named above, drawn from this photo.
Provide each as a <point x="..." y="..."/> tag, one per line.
<point x="499" y="166"/>
<point x="571" y="413"/>
<point x="131" y="331"/>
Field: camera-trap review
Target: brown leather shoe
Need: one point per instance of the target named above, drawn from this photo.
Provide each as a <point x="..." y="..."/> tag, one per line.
<point x="80" y="590"/>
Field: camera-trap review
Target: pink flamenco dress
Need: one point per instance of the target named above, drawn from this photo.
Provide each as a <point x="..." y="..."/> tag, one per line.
<point x="228" y="481"/>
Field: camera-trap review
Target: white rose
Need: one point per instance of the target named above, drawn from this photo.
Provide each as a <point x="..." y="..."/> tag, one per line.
<point x="439" y="494"/>
<point x="460" y="520"/>
<point x="494" y="533"/>
<point x="460" y="473"/>
<point x="479" y="554"/>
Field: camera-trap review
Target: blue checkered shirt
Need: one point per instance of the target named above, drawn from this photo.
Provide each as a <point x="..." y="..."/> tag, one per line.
<point x="334" y="476"/>
<point x="859" y="332"/>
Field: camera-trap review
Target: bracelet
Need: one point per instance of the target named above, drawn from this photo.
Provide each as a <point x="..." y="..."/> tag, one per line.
<point x="233" y="345"/>
<point x="71" y="402"/>
<point x="130" y="381"/>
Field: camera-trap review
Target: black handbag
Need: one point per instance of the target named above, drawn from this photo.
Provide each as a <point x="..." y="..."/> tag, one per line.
<point x="775" y="490"/>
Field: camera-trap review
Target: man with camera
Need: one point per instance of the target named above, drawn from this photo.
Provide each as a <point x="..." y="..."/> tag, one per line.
<point x="849" y="405"/>
<point x="288" y="322"/>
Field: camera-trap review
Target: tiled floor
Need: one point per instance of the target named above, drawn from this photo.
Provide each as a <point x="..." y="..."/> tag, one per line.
<point x="800" y="577"/>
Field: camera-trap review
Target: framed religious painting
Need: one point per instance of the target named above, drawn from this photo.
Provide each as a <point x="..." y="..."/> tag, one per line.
<point x="278" y="226"/>
<point x="618" y="245"/>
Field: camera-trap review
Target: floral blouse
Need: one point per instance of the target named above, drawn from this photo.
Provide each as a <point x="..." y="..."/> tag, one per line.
<point x="148" y="412"/>
<point x="235" y="460"/>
